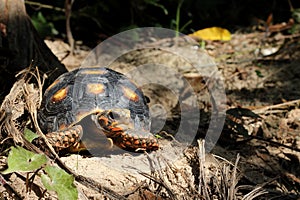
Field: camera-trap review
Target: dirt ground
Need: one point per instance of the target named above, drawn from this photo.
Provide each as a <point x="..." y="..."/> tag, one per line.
<point x="261" y="76"/>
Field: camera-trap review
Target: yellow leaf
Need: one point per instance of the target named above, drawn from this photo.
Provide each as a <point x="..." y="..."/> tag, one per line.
<point x="213" y="33"/>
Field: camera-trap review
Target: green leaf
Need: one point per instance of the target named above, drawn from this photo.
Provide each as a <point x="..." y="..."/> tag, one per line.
<point x="44" y="27"/>
<point x="41" y="18"/>
<point x="202" y="44"/>
<point x="61" y="182"/>
<point x="296" y="15"/>
<point x="259" y="74"/>
<point x="22" y="160"/>
<point x="155" y="3"/>
<point x="29" y="135"/>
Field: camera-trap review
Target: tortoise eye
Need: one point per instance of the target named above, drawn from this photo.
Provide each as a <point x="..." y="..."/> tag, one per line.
<point x="147" y="99"/>
<point x="113" y="115"/>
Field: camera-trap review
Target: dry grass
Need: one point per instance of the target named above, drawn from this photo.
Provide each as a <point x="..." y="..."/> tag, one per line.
<point x="215" y="178"/>
<point x="24" y="98"/>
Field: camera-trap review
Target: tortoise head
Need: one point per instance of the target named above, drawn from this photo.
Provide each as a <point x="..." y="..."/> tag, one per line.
<point x="125" y="132"/>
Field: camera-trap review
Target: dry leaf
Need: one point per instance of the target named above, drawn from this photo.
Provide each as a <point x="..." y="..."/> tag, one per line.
<point x="213" y="33"/>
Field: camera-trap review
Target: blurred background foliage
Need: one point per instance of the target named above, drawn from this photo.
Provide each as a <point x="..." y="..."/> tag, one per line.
<point x="93" y="21"/>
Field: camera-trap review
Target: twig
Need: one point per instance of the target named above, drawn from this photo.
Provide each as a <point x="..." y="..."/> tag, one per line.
<point x="234" y="179"/>
<point x="277" y="106"/>
<point x="90" y="183"/>
<point x="202" y="187"/>
<point x="159" y="182"/>
<point x="257" y="191"/>
<point x="44" y="6"/>
<point x="274" y="143"/>
<point x="68" y="8"/>
<point x="9" y="189"/>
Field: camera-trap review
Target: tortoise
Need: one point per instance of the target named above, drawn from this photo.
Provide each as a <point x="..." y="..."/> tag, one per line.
<point x="96" y="97"/>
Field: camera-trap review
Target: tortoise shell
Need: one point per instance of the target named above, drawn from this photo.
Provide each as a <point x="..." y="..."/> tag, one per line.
<point x="116" y="104"/>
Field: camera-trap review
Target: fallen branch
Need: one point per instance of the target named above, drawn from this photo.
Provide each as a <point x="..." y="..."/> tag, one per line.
<point x="273" y="143"/>
<point x="285" y="105"/>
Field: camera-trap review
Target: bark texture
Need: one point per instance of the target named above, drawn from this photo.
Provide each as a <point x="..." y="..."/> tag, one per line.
<point x="21" y="46"/>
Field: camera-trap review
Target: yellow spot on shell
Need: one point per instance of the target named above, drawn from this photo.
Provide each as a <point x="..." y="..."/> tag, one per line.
<point x="95" y="88"/>
<point x="96" y="71"/>
<point x="60" y="95"/>
<point x="53" y="84"/>
<point x="130" y="94"/>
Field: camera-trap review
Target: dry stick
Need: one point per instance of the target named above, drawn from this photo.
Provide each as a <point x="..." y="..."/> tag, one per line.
<point x="202" y="173"/>
<point x="90" y="183"/>
<point x="257" y="191"/>
<point x="68" y="8"/>
<point x="281" y="105"/>
<point x="274" y="143"/>
<point x="9" y="188"/>
<point x="160" y="161"/>
<point x="40" y="5"/>
<point x="159" y="182"/>
<point x="291" y="6"/>
<point x="30" y="185"/>
<point x="32" y="108"/>
<point x="234" y="179"/>
<point x="270" y="108"/>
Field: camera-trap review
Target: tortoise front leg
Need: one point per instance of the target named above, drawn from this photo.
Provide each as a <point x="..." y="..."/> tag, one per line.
<point x="66" y="138"/>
